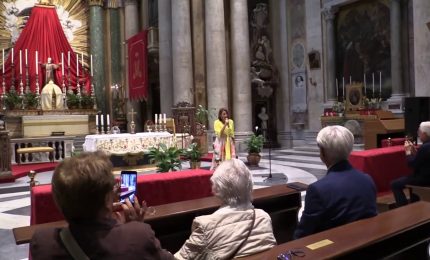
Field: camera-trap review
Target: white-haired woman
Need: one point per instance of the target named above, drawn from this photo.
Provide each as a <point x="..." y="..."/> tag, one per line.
<point x="344" y="194"/>
<point x="236" y="229"/>
<point x="419" y="160"/>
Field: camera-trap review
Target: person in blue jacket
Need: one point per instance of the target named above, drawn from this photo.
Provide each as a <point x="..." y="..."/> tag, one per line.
<point x="344" y="195"/>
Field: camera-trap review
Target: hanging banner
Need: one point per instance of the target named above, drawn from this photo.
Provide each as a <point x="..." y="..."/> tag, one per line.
<point x="137" y="66"/>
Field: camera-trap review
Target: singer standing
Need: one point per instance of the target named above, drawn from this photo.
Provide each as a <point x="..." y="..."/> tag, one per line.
<point x="224" y="148"/>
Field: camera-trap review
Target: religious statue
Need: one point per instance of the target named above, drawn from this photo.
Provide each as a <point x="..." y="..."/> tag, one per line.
<point x="264" y="117"/>
<point x="51" y="97"/>
<point x="49" y="70"/>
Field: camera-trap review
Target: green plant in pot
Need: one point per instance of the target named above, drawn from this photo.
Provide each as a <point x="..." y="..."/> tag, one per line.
<point x="166" y="159"/>
<point x="30" y="100"/>
<point x="73" y="100"/>
<point x="193" y="154"/>
<point x="13" y="100"/>
<point x="254" y="145"/>
<point x="87" y="101"/>
<point x="202" y="115"/>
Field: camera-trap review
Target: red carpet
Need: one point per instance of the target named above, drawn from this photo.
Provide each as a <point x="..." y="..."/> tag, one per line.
<point x="22" y="170"/>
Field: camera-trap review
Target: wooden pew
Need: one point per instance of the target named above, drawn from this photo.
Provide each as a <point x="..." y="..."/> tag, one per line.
<point x="405" y="230"/>
<point x="172" y="222"/>
<point x="420" y="191"/>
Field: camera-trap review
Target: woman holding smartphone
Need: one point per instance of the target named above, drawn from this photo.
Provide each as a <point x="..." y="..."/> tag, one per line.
<point x="224" y="148"/>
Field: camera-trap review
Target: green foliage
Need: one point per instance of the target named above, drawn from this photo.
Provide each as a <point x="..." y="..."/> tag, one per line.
<point x="255" y="143"/>
<point x="30" y="99"/>
<point x="73" y="100"/>
<point x="166" y="159"/>
<point x="13" y="100"/>
<point x="193" y="153"/>
<point x="202" y="115"/>
<point x="87" y="101"/>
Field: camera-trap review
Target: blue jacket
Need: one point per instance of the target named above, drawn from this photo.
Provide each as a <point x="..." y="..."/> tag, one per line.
<point x="420" y="162"/>
<point x="344" y="195"/>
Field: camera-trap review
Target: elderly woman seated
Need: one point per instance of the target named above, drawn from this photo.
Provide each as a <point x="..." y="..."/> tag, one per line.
<point x="236" y="229"/>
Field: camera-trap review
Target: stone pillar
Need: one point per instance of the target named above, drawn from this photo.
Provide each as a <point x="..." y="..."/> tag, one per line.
<point x="329" y="15"/>
<point x="165" y="55"/>
<point x="216" y="64"/>
<point x="132" y="28"/>
<point x="5" y="163"/>
<point x="182" y="52"/>
<point x="396" y="57"/>
<point x="198" y="26"/>
<point x="421" y="20"/>
<point x="97" y="50"/>
<point x="144" y="14"/>
<point x="241" y="68"/>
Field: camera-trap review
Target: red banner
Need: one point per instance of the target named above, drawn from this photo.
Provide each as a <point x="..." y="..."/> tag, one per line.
<point x="137" y="66"/>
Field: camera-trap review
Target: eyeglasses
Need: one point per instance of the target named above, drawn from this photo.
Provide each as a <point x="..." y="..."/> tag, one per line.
<point x="289" y="255"/>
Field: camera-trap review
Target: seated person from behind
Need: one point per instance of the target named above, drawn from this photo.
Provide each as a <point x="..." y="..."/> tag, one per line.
<point x="419" y="160"/>
<point x="83" y="189"/>
<point x="236" y="229"/>
<point x="344" y="195"/>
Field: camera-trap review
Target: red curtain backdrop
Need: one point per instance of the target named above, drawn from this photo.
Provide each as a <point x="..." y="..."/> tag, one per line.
<point x="43" y="33"/>
<point x="137" y="66"/>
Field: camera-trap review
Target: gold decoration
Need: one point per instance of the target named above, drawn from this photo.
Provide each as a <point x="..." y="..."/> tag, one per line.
<point x="96" y="2"/>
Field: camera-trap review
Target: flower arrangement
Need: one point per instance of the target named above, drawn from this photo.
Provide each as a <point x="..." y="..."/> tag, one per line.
<point x="338" y="107"/>
<point x="372" y="103"/>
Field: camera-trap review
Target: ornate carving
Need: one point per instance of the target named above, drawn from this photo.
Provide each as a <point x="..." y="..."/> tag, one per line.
<point x="112" y="4"/>
<point x="95" y="2"/>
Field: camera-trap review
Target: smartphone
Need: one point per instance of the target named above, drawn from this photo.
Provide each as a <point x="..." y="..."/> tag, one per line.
<point x="128" y="185"/>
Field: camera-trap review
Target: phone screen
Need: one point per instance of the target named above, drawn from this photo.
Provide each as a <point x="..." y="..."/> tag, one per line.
<point x="128" y="185"/>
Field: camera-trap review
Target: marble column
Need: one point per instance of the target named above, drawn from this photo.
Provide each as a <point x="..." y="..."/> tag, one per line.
<point x="421" y="20"/>
<point x="165" y="55"/>
<point x="132" y="28"/>
<point x="199" y="58"/>
<point x="182" y="52"/>
<point x="144" y="14"/>
<point x="97" y="33"/>
<point x="216" y="64"/>
<point x="329" y="15"/>
<point x="241" y="63"/>
<point x="396" y="57"/>
<point x="115" y="42"/>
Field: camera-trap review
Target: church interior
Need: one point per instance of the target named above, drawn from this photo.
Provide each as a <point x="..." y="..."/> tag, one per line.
<point x="140" y="78"/>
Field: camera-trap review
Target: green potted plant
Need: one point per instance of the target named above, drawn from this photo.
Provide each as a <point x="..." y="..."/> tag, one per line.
<point x="254" y="145"/>
<point x="193" y="154"/>
<point x="166" y="159"/>
<point x="87" y="101"/>
<point x="30" y="100"/>
<point x="13" y="100"/>
<point x="73" y="100"/>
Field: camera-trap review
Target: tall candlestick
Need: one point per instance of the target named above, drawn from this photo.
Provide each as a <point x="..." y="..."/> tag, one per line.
<point x="156" y="119"/>
<point x="62" y="63"/>
<point x="20" y="62"/>
<point x="77" y="66"/>
<point x="380" y="83"/>
<point x="3" y="59"/>
<point x="68" y="58"/>
<point x="91" y="61"/>
<point x="108" y="120"/>
<point x="26" y="57"/>
<point x="164" y="118"/>
<point x="365" y="84"/>
<point x="12" y="55"/>
<point x="337" y="89"/>
<point x="37" y="63"/>
<point x="373" y="84"/>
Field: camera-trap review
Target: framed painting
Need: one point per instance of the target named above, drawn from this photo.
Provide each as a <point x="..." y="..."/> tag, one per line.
<point x="354" y="96"/>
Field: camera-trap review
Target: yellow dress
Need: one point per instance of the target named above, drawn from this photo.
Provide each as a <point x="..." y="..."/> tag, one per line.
<point x="224" y="142"/>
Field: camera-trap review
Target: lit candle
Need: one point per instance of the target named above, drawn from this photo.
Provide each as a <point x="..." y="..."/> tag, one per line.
<point x="165" y="118"/>
<point x="68" y="58"/>
<point x="77" y="71"/>
<point x="12" y="55"/>
<point x="337" y="89"/>
<point x="156" y="119"/>
<point x="373" y="84"/>
<point x="26" y="57"/>
<point x="37" y="63"/>
<point x="62" y="63"/>
<point x="380" y="84"/>
<point x="343" y="87"/>
<point x="108" y="119"/>
<point x="97" y="120"/>
<point x="101" y="120"/>
<point x="91" y="63"/>
<point x="364" y="84"/>
<point x="3" y="59"/>
<point x="20" y="62"/>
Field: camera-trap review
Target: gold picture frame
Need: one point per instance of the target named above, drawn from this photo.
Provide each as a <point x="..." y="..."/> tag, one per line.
<point x="354" y="96"/>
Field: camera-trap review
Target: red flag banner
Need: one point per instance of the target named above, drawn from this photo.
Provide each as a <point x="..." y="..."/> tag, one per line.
<point x="137" y="66"/>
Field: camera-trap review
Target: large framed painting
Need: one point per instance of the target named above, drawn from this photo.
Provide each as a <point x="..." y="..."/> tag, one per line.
<point x="354" y="96"/>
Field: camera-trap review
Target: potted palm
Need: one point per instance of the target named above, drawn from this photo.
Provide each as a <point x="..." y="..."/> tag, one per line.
<point x="30" y="100"/>
<point x="166" y="159"/>
<point x="73" y="100"/>
<point x="13" y="100"/>
<point x="254" y="146"/>
<point x="193" y="154"/>
<point x="87" y="101"/>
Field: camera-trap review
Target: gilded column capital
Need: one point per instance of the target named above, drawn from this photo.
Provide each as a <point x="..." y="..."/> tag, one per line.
<point x="329" y="12"/>
<point x="95" y="2"/>
<point x="112" y="4"/>
<point x="130" y="2"/>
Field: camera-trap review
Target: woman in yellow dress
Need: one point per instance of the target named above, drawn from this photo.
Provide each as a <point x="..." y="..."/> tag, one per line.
<point x="224" y="148"/>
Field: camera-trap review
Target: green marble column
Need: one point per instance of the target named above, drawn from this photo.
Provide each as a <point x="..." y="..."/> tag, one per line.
<point x="115" y="43"/>
<point x="97" y="50"/>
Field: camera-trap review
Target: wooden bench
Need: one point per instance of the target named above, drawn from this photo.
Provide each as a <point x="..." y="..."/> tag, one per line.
<point x="387" y="201"/>
<point x="40" y="149"/>
<point x="420" y="191"/>
<point x="172" y="222"/>
<point x="403" y="232"/>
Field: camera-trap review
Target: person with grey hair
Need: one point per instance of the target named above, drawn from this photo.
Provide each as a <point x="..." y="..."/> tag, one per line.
<point x="344" y="195"/>
<point x="419" y="160"/>
<point x="236" y="229"/>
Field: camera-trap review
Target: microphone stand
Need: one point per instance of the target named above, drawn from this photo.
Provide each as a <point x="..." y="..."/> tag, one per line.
<point x="276" y="176"/>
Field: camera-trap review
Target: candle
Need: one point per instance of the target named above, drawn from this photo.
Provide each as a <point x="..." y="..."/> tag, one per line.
<point x="26" y="57"/>
<point x="82" y="59"/>
<point x="156" y="119"/>
<point x="20" y="62"/>
<point x="37" y="63"/>
<point x="343" y="87"/>
<point x="77" y="72"/>
<point x="350" y="80"/>
<point x="101" y="119"/>
<point x="91" y="63"/>
<point x="165" y="118"/>
<point x="160" y="119"/>
<point x="12" y="55"/>
<point x="373" y="84"/>
<point x="337" y="89"/>
<point x="108" y="120"/>
<point x="380" y="83"/>
<point x="62" y="63"/>
<point x="364" y="84"/>
<point x="97" y="120"/>
<point x="68" y="58"/>
<point x="3" y="59"/>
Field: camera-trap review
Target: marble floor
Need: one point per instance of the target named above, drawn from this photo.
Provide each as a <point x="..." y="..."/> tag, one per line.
<point x="301" y="164"/>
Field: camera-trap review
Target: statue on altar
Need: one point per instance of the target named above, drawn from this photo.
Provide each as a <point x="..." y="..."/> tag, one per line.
<point x="49" y="70"/>
<point x="51" y="97"/>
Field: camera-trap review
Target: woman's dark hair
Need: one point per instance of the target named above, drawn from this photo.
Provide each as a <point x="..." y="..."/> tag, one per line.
<point x="220" y="112"/>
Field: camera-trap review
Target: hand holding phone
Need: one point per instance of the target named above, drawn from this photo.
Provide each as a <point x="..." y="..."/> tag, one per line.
<point x="128" y="185"/>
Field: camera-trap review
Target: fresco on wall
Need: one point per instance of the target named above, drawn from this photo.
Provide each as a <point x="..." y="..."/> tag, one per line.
<point x="296" y="12"/>
<point x="363" y="44"/>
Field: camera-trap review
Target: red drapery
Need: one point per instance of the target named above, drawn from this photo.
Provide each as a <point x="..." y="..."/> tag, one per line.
<point x="137" y="66"/>
<point x="43" y="33"/>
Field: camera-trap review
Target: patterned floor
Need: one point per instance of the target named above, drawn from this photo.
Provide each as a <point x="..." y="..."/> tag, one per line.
<point x="301" y="164"/>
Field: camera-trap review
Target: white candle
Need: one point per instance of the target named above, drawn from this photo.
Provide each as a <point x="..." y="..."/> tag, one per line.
<point x="3" y="59"/>
<point x="68" y="58"/>
<point x="350" y="80"/>
<point x="101" y="120"/>
<point x="20" y="62"/>
<point x="364" y="84"/>
<point x="165" y="118"/>
<point x="156" y="119"/>
<point x="108" y="120"/>
<point x="160" y="119"/>
<point x="97" y="120"/>
<point x="373" y="84"/>
<point x="343" y="87"/>
<point x="380" y="83"/>
<point x="82" y="59"/>
<point x="37" y="63"/>
<point x="12" y="55"/>
<point x="62" y="63"/>
<point x="26" y="57"/>
<point x="337" y="89"/>
<point x="91" y="63"/>
<point x="77" y="71"/>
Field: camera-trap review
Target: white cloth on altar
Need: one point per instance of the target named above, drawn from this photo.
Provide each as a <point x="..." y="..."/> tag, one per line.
<point x="46" y="96"/>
